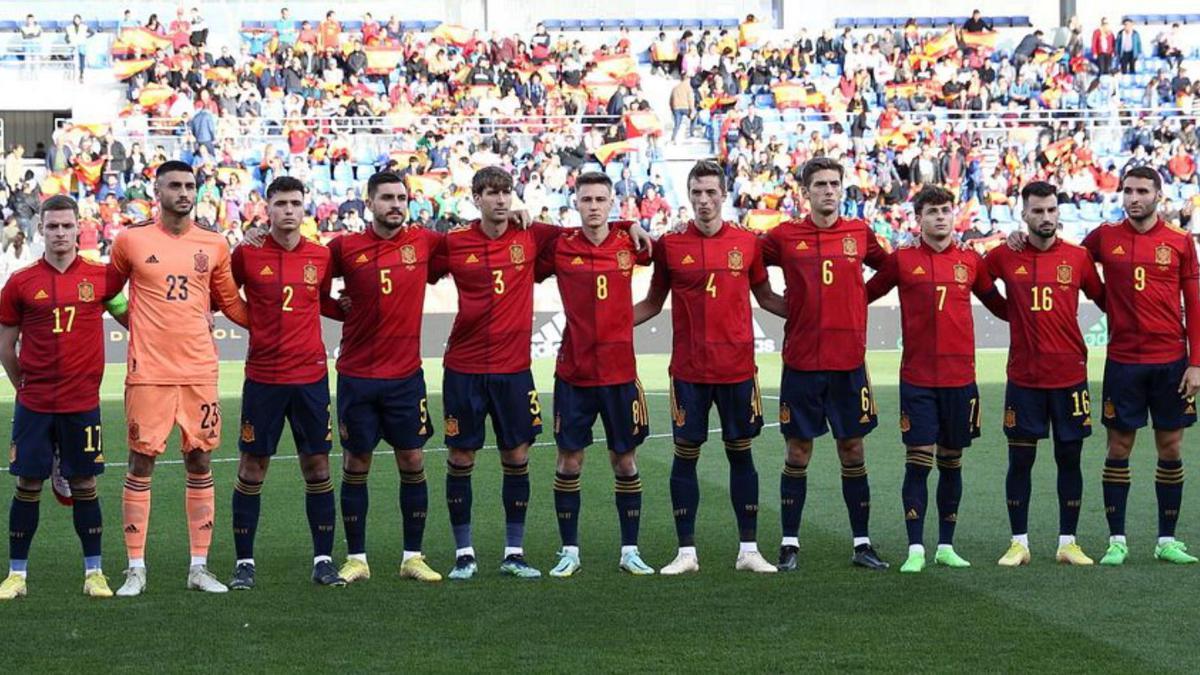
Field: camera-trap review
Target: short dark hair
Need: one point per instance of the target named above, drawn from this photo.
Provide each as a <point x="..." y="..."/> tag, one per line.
<point x="383" y="178"/>
<point x="593" y="178"/>
<point x="812" y="166"/>
<point x="1143" y="172"/>
<point x="703" y="169"/>
<point x="931" y="195"/>
<point x="59" y="203"/>
<point x="285" y="184"/>
<point x="171" y="166"/>
<point x="491" y="178"/>
<point x="1038" y="188"/>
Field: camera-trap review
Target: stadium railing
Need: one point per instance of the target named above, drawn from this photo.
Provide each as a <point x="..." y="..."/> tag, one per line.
<point x="37" y="59"/>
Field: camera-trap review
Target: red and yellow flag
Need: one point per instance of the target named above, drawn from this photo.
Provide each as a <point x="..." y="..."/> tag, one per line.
<point x="642" y="123"/>
<point x="383" y="60"/>
<point x="980" y="41"/>
<point x="124" y="70"/>
<point x="429" y="184"/>
<point x="664" y="51"/>
<point x="600" y="87"/>
<point x="130" y="40"/>
<point x="220" y="74"/>
<point x="761" y="220"/>
<point x="942" y="45"/>
<point x="616" y="66"/>
<point x="452" y="34"/>
<point x="224" y="173"/>
<point x="152" y="94"/>
<point x="610" y="150"/>
<point x="1058" y="149"/>
<point x="56" y="184"/>
<point x="89" y="173"/>
<point x="789" y="95"/>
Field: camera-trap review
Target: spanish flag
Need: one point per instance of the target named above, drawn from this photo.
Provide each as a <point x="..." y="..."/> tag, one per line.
<point x="383" y="60"/>
<point x="900" y="89"/>
<point x="984" y="41"/>
<point x="56" y="184"/>
<point x="749" y="32"/>
<point x="1057" y="150"/>
<point x="664" y="51"/>
<point x="616" y="66"/>
<point x="642" y="123"/>
<point x="600" y="87"/>
<point x="130" y="40"/>
<point x="124" y="70"/>
<point x="89" y="173"/>
<point x="610" y="150"/>
<point x="220" y="74"/>
<point x="152" y="94"/>
<point x="77" y="131"/>
<point x="428" y="183"/>
<point x="789" y="95"/>
<point x="224" y="173"/>
<point x="942" y="45"/>
<point x="761" y="220"/>
<point x="452" y="34"/>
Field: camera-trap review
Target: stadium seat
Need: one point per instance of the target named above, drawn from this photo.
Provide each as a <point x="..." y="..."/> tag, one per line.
<point x="730" y="23"/>
<point x="552" y="24"/>
<point x="572" y="24"/>
<point x="9" y="26"/>
<point x="352" y="26"/>
<point x="109" y="26"/>
<point x="840" y="22"/>
<point x="1176" y="18"/>
<point x="670" y="24"/>
<point x="1192" y="18"/>
<point x="924" y="22"/>
<point x="591" y="24"/>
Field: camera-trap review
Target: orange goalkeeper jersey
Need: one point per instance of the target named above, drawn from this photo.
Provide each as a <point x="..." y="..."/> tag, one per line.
<point x="173" y="280"/>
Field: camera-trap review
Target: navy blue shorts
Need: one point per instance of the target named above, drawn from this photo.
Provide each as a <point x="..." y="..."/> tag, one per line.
<point x="807" y="398"/>
<point x="944" y="416"/>
<point x="1029" y="413"/>
<point x="304" y="406"/>
<point x="621" y="407"/>
<point x="372" y="409"/>
<point x="739" y="406"/>
<point x="1130" y="389"/>
<point x="510" y="399"/>
<point x="38" y="437"/>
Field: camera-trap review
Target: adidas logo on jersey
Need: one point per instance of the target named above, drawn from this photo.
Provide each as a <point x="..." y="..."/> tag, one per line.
<point x="577" y="261"/>
<point x="152" y="260"/>
<point x="472" y="259"/>
<point x="1022" y="270"/>
<point x="802" y="246"/>
<point x="1119" y="250"/>
<point x="919" y="270"/>
<point x="267" y="271"/>
<point x="41" y="294"/>
<point x="688" y="260"/>
<point x="362" y="258"/>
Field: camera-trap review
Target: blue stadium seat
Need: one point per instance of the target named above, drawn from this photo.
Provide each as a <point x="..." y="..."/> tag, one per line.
<point x="840" y="22"/>
<point x="670" y="24"/>
<point x="552" y="24"/>
<point x="93" y="25"/>
<point x="1002" y="21"/>
<point x="9" y="26"/>
<point x="53" y="25"/>
<point x="924" y="22"/>
<point x="1176" y="18"/>
<point x="571" y="24"/>
<point x="109" y="25"/>
<point x="1192" y="18"/>
<point x="957" y="20"/>
<point x="1156" y="18"/>
<point x="591" y="24"/>
<point x="355" y="25"/>
<point x="730" y="23"/>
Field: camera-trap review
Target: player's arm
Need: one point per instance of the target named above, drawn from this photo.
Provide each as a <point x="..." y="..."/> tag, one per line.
<point x="760" y="285"/>
<point x="544" y="266"/>
<point x="225" y="293"/>
<point x="768" y="243"/>
<point x="985" y="289"/>
<point x="656" y="296"/>
<point x="330" y="307"/>
<point x="118" y="307"/>
<point x="8" y="353"/>
<point x="1092" y="285"/>
<point x="1189" y="283"/>
<point x="439" y="260"/>
<point x="876" y="255"/>
<point x="886" y="277"/>
<point x="993" y="264"/>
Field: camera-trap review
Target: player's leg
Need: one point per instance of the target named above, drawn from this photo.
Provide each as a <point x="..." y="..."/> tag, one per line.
<point x="516" y="411"/>
<point x="919" y="428"/>
<point x="850" y="407"/>
<point x="1126" y="400"/>
<point x="1071" y="415"/>
<point x="689" y="412"/>
<point x="1026" y="420"/>
<point x="308" y="414"/>
<point x="740" y="409"/>
<point x="79" y="438"/>
<point x="31" y="459"/>
<point x="359" y="429"/>
<point x="150" y="416"/>
<point x="464" y="403"/>
<point x="1171" y="413"/>
<point x="626" y="425"/>
<point x="575" y="411"/>
<point x="263" y="407"/>
<point x="199" y="420"/>
<point x="406" y="426"/>
<point x="801" y="419"/>
<point x="960" y="416"/>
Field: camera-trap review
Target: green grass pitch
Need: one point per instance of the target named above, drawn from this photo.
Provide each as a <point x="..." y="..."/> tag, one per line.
<point x="826" y="616"/>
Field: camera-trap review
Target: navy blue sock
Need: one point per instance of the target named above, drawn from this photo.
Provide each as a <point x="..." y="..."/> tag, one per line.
<point x="89" y="525"/>
<point x="247" y="502"/>
<point x="628" y="494"/>
<point x="856" y="492"/>
<point x="514" y="491"/>
<point x="566" y="506"/>
<point x="1168" y="486"/>
<point x="1070" y="484"/>
<point x="949" y="494"/>
<point x="1115" y="482"/>
<point x="354" y="510"/>
<point x="22" y="525"/>
<point x="414" y="507"/>
<point x="743" y="488"/>
<point x="793" y="489"/>
<point x="1018" y="485"/>
<point x="685" y="491"/>
<point x="458" y="501"/>
<point x="914" y="493"/>
<point x="321" y="509"/>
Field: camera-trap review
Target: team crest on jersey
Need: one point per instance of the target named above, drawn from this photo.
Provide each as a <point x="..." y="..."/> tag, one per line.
<point x="201" y="262"/>
<point x="1162" y="255"/>
<point x="516" y="253"/>
<point x="736" y="261"/>
<point x="1063" y="275"/>
<point x="87" y="292"/>
<point x="408" y="254"/>
<point x="1010" y="418"/>
<point x="905" y="423"/>
<point x="849" y="246"/>
<point x="961" y="273"/>
<point x="1110" y="410"/>
<point x="310" y="274"/>
<point x="247" y="432"/>
<point x="624" y="260"/>
<point x="785" y="413"/>
<point x="451" y="426"/>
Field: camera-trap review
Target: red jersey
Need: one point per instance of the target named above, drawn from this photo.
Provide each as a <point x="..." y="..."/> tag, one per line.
<point x="938" y="327"/>
<point x="826" y="327"/>
<point x="494" y="277"/>
<point x="1046" y="348"/>
<point x="61" y="318"/>
<point x="1144" y="276"/>
<point x="385" y="281"/>
<point x="285" y="291"/>
<point x="595" y="282"/>
<point x="710" y="279"/>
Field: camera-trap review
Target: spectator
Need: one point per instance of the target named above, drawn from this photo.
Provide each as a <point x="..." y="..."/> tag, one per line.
<point x="31" y="29"/>
<point x="683" y="106"/>
<point x="751" y="126"/>
<point x="197" y="30"/>
<point x="203" y="127"/>
<point x="651" y="205"/>
<point x="330" y="32"/>
<point x="1104" y="45"/>
<point x="14" y="257"/>
<point x="1129" y="46"/>
<point x="1029" y="45"/>
<point x="977" y="24"/>
<point x="1167" y="46"/>
<point x="77" y="35"/>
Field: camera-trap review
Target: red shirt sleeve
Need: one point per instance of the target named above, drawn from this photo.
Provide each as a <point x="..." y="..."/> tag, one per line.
<point x="1091" y="284"/>
<point x="985" y="289"/>
<point x="335" y="258"/>
<point x="758" y="272"/>
<point x="1092" y="242"/>
<point x="876" y="255"/>
<point x="544" y="235"/>
<point x="1189" y="282"/>
<point x="439" y="261"/>
<point x="770" y="248"/>
<point x="10" y="304"/>
<point x="237" y="260"/>
<point x="885" y="279"/>
<point x="661" y="281"/>
<point x="544" y="267"/>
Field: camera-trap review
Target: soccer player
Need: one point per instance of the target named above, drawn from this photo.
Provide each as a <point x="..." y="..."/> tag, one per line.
<point x="55" y="307"/>
<point x="381" y="392"/>
<point x="175" y="271"/>
<point x="1047" y="367"/>
<point x="939" y="401"/>
<point x="287" y="282"/>
<point x="487" y="361"/>
<point x="709" y="270"/>
<point x="825" y="376"/>
<point x="596" y="374"/>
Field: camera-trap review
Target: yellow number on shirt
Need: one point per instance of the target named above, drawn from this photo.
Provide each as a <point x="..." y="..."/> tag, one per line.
<point x="69" y="312"/>
<point x="288" y="293"/>
<point x="601" y="287"/>
<point x="941" y="291"/>
<point x="1043" y="300"/>
<point x="827" y="272"/>
<point x="385" y="281"/>
<point x="1083" y="403"/>
<point x="711" y="286"/>
<point x="1139" y="278"/>
<point x="498" y="281"/>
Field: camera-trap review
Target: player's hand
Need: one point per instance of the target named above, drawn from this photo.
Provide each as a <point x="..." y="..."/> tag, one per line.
<point x="1017" y="240"/>
<point x="1190" y="384"/>
<point x="641" y="238"/>
<point x="255" y="236"/>
<point x="520" y="219"/>
<point x="343" y="301"/>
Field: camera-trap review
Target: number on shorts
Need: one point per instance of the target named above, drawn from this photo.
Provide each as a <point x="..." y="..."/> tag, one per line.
<point x="535" y="406"/>
<point x="424" y="406"/>
<point x="210" y="415"/>
<point x="94" y="441"/>
<point x="1082" y="402"/>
